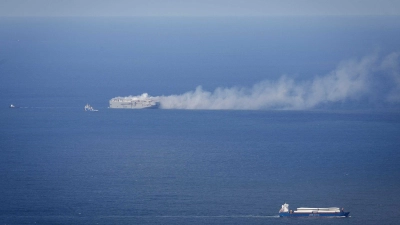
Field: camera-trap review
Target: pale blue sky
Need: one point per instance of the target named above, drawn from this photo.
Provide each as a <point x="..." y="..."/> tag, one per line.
<point x="198" y="7"/>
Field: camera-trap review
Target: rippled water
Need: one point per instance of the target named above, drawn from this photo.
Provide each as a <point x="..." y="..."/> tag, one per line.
<point x="67" y="166"/>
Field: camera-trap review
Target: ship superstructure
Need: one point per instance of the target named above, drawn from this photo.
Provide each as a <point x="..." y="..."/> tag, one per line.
<point x="90" y="108"/>
<point x="143" y="101"/>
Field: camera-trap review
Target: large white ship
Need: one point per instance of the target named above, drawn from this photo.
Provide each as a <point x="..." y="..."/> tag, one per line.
<point x="303" y="211"/>
<point x="143" y="101"/>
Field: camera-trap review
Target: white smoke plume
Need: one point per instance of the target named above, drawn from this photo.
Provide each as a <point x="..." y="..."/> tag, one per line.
<point x="352" y="80"/>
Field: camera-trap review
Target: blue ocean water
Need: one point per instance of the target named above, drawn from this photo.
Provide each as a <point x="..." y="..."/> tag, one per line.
<point x="61" y="165"/>
<point x="80" y="60"/>
<point x="67" y="166"/>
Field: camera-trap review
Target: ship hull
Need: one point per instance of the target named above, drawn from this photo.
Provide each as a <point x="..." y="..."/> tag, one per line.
<point x="338" y="214"/>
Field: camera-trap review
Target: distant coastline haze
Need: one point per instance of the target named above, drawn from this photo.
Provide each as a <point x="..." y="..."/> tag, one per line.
<point x="194" y="8"/>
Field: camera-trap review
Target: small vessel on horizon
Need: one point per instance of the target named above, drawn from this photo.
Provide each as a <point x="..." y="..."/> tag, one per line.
<point x="90" y="108"/>
<point x="303" y="211"/>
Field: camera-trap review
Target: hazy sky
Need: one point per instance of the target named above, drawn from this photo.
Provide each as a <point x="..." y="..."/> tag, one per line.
<point x="197" y="7"/>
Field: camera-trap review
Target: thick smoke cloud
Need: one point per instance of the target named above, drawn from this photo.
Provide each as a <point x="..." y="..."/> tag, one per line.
<point x="370" y="78"/>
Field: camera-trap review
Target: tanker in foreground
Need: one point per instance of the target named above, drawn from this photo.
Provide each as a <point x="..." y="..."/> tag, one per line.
<point x="303" y="211"/>
<point x="143" y="101"/>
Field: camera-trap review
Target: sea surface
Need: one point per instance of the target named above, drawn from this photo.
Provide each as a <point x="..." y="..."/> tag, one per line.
<point x="62" y="165"/>
<point x="73" y="61"/>
<point x="67" y="166"/>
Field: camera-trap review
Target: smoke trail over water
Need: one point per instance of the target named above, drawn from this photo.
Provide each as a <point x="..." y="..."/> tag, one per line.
<point x="373" y="78"/>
